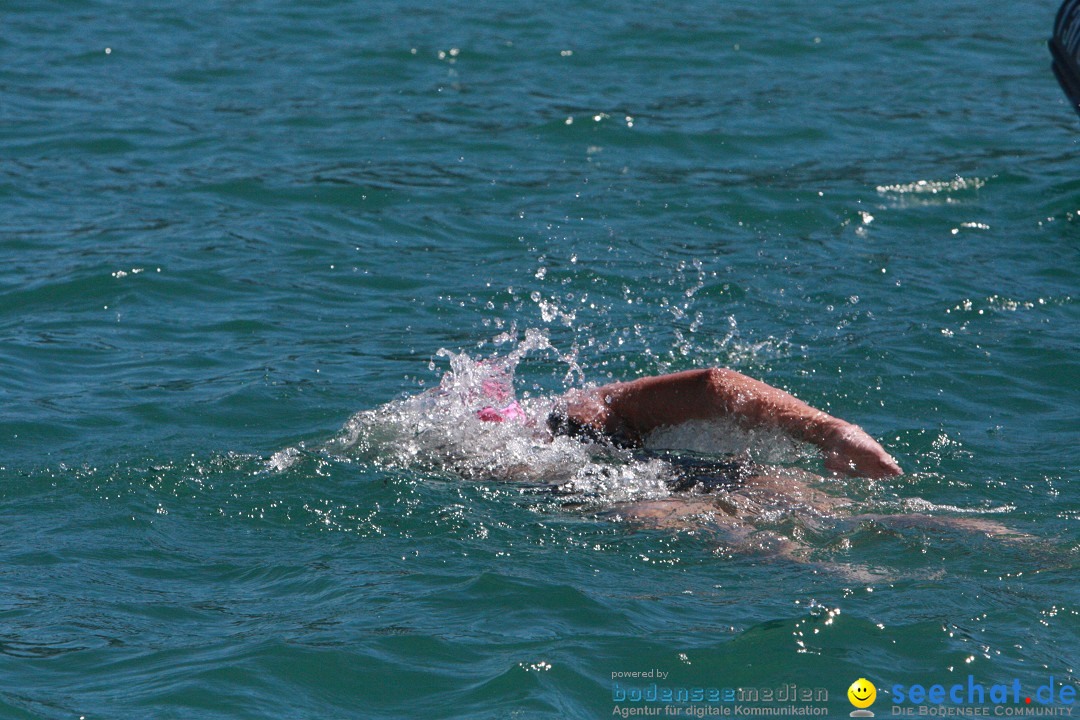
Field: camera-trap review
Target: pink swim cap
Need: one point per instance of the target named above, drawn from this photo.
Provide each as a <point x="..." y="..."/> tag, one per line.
<point x="512" y="412"/>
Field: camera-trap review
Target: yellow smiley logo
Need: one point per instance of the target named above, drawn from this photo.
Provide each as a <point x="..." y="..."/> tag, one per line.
<point x="862" y="693"/>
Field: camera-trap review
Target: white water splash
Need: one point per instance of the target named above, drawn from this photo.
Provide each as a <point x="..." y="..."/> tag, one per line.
<point x="439" y="430"/>
<point x="933" y="187"/>
<point x="762" y="445"/>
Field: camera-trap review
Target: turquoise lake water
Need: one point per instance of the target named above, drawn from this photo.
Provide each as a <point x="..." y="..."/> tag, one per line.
<point x="228" y="231"/>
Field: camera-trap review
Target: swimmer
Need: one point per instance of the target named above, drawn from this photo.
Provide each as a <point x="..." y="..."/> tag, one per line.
<point x="730" y="497"/>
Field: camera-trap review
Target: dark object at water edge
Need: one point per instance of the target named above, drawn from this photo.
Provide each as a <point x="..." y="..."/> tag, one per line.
<point x="1065" y="47"/>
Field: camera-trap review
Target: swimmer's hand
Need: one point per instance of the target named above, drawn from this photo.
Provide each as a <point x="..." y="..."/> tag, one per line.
<point x="849" y="450"/>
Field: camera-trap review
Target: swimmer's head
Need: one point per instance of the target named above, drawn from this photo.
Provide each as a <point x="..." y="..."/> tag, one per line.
<point x="497" y="389"/>
<point x="510" y="413"/>
<point x="489" y="414"/>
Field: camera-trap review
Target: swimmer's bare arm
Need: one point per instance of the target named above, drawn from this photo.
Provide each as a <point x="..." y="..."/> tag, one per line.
<point x="639" y="407"/>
